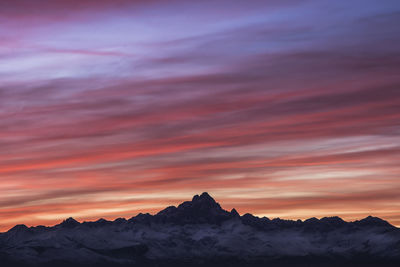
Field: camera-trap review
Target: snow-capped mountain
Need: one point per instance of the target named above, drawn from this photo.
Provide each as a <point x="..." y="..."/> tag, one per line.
<point x="201" y="233"/>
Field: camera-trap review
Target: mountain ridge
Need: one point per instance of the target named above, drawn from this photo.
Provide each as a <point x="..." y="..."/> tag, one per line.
<point x="201" y="205"/>
<point x="201" y="233"/>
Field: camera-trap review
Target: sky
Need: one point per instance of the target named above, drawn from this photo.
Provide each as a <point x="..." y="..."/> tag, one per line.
<point x="286" y="108"/>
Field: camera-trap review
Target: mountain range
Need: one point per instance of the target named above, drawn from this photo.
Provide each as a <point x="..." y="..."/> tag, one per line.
<point x="200" y="233"/>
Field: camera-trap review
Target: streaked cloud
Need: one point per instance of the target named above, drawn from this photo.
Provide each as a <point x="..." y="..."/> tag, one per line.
<point x="110" y="108"/>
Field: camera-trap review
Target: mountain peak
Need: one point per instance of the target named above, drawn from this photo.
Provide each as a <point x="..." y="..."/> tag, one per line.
<point x="234" y="213"/>
<point x="373" y="221"/>
<point x="69" y="223"/>
<point x="167" y="234"/>
<point x="203" y="197"/>
<point x="202" y="209"/>
<point x="18" y="228"/>
<point x="202" y="204"/>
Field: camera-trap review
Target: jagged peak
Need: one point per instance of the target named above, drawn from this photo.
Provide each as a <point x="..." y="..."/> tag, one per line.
<point x="234" y="213"/>
<point x="201" y="209"/>
<point x="69" y="223"/>
<point x="70" y="219"/>
<point x="202" y="202"/>
<point x="203" y="197"/>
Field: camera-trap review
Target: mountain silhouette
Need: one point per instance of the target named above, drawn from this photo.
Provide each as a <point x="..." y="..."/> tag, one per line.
<point x="69" y="223"/>
<point x="201" y="233"/>
<point x="202" y="209"/>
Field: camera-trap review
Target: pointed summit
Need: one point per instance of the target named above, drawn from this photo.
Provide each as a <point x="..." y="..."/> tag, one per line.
<point x="234" y="213"/>
<point x="69" y="223"/>
<point x="203" y="204"/>
<point x="205" y="197"/>
<point x="202" y="209"/>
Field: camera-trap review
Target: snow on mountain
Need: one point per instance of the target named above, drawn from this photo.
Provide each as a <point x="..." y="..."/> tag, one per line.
<point x="199" y="231"/>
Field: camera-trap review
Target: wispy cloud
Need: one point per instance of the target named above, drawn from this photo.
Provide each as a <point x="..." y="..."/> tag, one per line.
<point x="272" y="113"/>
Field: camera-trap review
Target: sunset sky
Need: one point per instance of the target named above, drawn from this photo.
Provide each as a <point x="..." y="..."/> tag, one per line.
<point x="280" y="108"/>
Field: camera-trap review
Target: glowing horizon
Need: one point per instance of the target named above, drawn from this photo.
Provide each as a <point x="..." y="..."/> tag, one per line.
<point x="284" y="109"/>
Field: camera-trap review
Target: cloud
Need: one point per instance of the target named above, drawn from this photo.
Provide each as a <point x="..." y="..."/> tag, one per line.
<point x="271" y="114"/>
